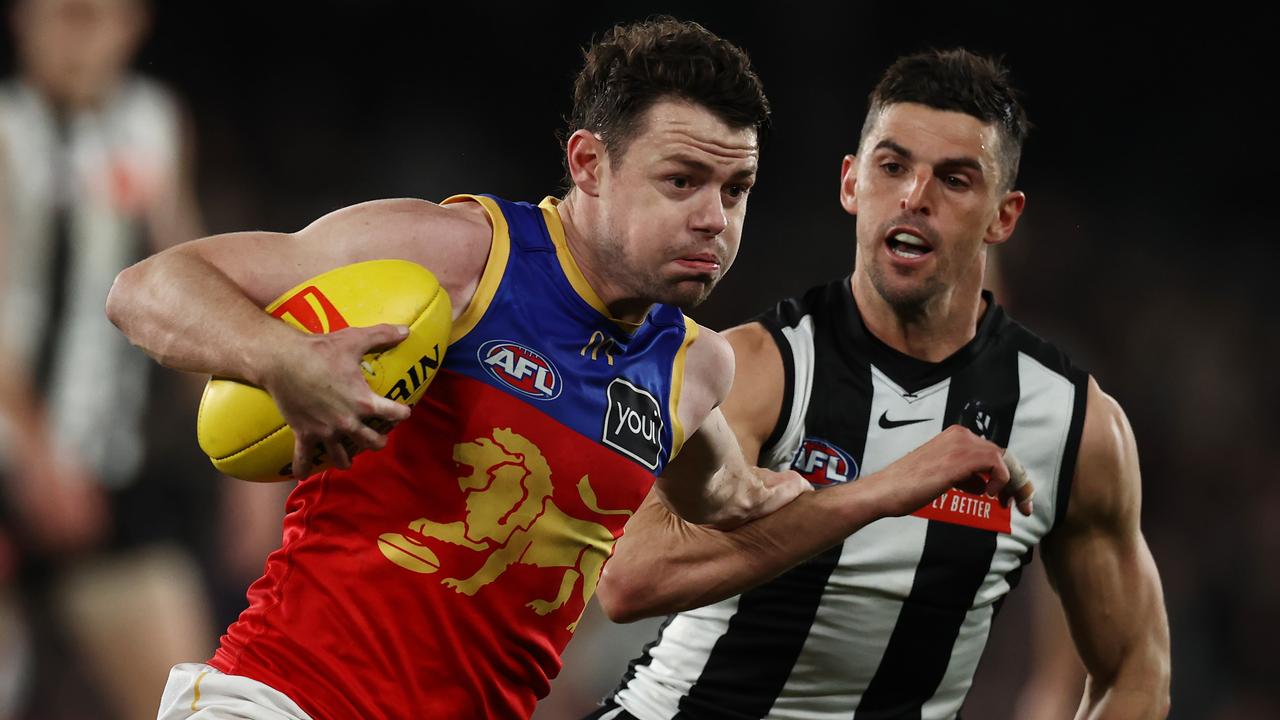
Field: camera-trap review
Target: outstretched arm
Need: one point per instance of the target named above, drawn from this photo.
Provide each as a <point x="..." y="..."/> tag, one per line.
<point x="1099" y="563"/>
<point x="663" y="564"/>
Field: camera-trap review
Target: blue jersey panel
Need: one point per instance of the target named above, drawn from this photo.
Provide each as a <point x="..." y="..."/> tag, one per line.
<point x="540" y="340"/>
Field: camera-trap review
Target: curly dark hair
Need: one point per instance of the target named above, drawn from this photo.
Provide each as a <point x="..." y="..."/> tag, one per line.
<point x="960" y="81"/>
<point x="631" y="67"/>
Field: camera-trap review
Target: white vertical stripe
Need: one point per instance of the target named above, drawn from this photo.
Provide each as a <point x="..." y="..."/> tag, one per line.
<point x="800" y="338"/>
<point x="676" y="662"/>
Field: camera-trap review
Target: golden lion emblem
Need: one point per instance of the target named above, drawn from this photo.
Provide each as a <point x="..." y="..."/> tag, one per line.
<point x="511" y="516"/>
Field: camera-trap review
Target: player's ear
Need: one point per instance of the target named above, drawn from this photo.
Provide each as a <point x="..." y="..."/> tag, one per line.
<point x="1006" y="217"/>
<point x="849" y="184"/>
<point x="587" y="161"/>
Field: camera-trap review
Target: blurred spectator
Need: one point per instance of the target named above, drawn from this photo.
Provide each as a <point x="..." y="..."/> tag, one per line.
<point x="94" y="174"/>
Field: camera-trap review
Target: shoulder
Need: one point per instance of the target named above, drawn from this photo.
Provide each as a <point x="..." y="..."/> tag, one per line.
<point x="405" y="227"/>
<point x="754" y="405"/>
<point x="1106" y="488"/>
<point x="709" y="365"/>
<point x="747" y="352"/>
<point x="452" y="241"/>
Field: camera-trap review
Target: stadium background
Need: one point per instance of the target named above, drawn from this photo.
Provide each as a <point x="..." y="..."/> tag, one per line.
<point x="1147" y="249"/>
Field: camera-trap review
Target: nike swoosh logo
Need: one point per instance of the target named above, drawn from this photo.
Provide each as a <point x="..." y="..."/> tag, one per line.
<point x="888" y="424"/>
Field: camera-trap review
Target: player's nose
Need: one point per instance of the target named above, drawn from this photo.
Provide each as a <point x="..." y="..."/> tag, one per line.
<point x="915" y="196"/>
<point x="708" y="216"/>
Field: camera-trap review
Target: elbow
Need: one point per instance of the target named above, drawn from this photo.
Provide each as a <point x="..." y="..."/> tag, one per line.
<point x="614" y="599"/>
<point x="624" y="600"/>
<point x="118" y="298"/>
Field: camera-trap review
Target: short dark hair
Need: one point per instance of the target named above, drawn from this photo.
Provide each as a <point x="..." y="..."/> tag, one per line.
<point x="960" y="81"/>
<point x="631" y="67"/>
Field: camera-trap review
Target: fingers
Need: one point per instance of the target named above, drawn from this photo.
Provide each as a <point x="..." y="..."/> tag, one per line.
<point x="301" y="465"/>
<point x="778" y="489"/>
<point x="382" y="337"/>
<point x="336" y="451"/>
<point x="367" y="438"/>
<point x="1020" y="487"/>
<point x="388" y="410"/>
<point x="997" y="477"/>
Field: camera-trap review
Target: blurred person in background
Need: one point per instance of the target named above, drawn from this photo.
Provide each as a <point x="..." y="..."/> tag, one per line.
<point x="100" y="516"/>
<point x="892" y="621"/>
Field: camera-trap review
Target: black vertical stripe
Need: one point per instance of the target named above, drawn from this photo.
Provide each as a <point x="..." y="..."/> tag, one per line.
<point x="955" y="560"/>
<point x="1013" y="578"/>
<point x="59" y="262"/>
<point x="788" y="389"/>
<point x="1080" y="380"/>
<point x="751" y="662"/>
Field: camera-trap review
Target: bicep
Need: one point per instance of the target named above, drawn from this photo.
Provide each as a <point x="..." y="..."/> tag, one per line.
<point x="1098" y="560"/>
<point x="452" y="243"/>
<point x="755" y="399"/>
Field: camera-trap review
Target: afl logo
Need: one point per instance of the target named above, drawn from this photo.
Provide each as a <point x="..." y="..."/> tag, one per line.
<point x="823" y="464"/>
<point x="526" y="371"/>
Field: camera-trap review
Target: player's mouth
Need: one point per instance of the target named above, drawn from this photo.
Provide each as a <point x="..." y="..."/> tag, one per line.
<point x="702" y="262"/>
<point x="906" y="244"/>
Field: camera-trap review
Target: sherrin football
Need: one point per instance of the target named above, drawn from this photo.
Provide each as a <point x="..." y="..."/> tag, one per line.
<point x="239" y="426"/>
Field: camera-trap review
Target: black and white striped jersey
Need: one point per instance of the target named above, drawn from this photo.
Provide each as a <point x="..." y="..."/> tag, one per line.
<point x="891" y="623"/>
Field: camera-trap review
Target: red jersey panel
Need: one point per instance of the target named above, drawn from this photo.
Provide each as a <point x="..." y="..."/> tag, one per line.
<point x="442" y="576"/>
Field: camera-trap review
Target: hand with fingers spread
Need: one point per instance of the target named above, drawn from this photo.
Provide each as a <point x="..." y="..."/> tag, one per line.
<point x="318" y="385"/>
<point x="958" y="458"/>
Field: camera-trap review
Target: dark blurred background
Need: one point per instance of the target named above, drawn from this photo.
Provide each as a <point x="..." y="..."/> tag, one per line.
<point x="1147" y="250"/>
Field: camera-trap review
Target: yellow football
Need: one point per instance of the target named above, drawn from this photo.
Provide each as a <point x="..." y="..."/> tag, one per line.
<point x="239" y="426"/>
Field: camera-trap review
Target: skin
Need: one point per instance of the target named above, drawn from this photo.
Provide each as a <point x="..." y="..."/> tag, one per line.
<point x="935" y="174"/>
<point x="682" y="159"/>
<point x="197" y="307"/>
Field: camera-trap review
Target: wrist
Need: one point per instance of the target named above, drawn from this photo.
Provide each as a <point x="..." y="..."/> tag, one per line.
<point x="867" y="500"/>
<point x="264" y="360"/>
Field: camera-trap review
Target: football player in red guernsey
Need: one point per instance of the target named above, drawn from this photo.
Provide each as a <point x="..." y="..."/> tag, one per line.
<point x="440" y="573"/>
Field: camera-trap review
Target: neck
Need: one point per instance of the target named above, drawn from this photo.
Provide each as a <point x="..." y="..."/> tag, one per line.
<point x="946" y="323"/>
<point x="583" y="224"/>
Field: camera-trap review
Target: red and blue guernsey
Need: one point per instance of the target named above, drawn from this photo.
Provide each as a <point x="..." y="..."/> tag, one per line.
<point x="442" y="576"/>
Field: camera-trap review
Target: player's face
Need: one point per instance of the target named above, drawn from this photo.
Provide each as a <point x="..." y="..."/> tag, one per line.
<point x="928" y="195"/>
<point x="77" y="49"/>
<point x="673" y="206"/>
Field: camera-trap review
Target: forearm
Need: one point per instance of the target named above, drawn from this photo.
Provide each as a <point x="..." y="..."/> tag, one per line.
<point x="1135" y="684"/>
<point x="190" y="316"/>
<point x="664" y="565"/>
<point x="1130" y="696"/>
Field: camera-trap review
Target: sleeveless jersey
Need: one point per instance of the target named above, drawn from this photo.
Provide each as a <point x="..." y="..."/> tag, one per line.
<point x="442" y="576"/>
<point x="890" y="623"/>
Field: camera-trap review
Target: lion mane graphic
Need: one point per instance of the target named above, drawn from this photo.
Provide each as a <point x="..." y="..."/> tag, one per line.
<point x="511" y="516"/>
